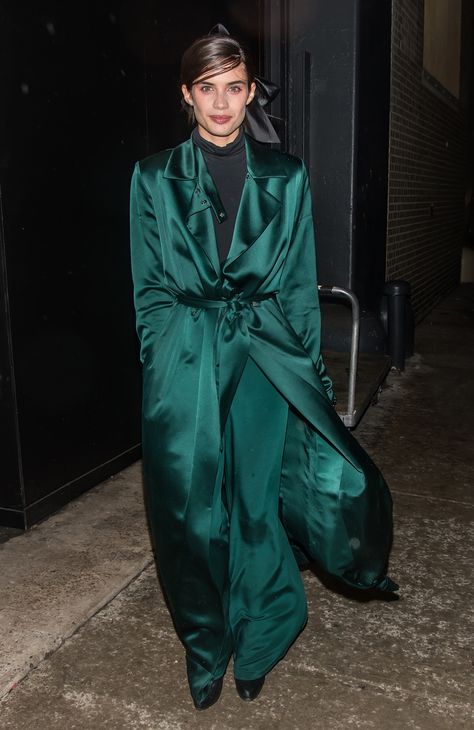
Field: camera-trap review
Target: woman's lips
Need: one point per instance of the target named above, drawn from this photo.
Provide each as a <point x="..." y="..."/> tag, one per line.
<point x="220" y="119"/>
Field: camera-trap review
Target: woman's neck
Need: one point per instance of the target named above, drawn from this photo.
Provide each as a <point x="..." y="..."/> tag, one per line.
<point x="210" y="148"/>
<point x="217" y="140"/>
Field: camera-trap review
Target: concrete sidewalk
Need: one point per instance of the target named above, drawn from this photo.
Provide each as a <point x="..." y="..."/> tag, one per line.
<point x="85" y="628"/>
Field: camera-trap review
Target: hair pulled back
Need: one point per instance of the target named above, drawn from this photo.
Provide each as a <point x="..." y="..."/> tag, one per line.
<point x="211" y="55"/>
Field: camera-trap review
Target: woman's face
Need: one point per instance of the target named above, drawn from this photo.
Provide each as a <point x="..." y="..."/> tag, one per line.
<point x="219" y="104"/>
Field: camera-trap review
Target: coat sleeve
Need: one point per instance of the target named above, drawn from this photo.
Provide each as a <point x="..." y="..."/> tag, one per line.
<point x="151" y="297"/>
<point x="298" y="294"/>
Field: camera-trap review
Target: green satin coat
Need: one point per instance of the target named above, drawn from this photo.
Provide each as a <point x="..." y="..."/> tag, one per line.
<point x="198" y="322"/>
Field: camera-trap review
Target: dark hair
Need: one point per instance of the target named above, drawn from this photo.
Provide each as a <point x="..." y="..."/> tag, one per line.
<point x="210" y="55"/>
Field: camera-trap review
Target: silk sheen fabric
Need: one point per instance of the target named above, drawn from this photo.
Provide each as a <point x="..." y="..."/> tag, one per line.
<point x="199" y="322"/>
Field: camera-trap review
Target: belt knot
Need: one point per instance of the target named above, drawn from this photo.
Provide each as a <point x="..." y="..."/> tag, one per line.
<point x="235" y="307"/>
<point x="232" y="306"/>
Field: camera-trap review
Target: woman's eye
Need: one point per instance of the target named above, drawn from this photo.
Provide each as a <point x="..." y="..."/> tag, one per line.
<point x="205" y="89"/>
<point x="235" y="89"/>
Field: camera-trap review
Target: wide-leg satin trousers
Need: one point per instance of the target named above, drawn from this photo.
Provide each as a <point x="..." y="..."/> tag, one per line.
<point x="247" y="599"/>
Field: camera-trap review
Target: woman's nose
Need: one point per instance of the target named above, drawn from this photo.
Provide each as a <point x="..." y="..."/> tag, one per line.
<point x="220" y="100"/>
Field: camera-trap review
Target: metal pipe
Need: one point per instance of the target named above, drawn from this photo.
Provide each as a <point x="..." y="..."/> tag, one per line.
<point x="348" y="294"/>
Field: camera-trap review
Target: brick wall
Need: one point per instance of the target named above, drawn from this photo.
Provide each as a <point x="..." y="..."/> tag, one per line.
<point x="427" y="170"/>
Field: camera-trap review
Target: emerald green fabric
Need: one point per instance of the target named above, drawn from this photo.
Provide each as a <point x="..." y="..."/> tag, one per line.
<point x="212" y="338"/>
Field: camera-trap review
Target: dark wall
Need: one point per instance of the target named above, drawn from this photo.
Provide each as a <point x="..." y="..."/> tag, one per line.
<point x="72" y="101"/>
<point x="429" y="155"/>
<point x="85" y="90"/>
<point x="322" y="123"/>
<point x="333" y="63"/>
<point x="10" y="474"/>
<point x="372" y="149"/>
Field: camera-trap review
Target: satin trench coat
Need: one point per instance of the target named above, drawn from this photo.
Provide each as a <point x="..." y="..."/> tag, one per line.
<point x="198" y="321"/>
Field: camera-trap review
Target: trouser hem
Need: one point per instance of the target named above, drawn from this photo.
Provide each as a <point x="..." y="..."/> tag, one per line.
<point x="250" y="674"/>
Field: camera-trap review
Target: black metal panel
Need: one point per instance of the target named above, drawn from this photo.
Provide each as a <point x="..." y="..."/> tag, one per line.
<point x="333" y="61"/>
<point x="71" y="136"/>
<point x="86" y="89"/>
<point x="10" y="473"/>
<point x="372" y="145"/>
<point x="276" y="48"/>
<point x="327" y="33"/>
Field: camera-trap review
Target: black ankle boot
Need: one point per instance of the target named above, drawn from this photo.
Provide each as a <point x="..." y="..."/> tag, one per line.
<point x="249" y="689"/>
<point x="213" y="693"/>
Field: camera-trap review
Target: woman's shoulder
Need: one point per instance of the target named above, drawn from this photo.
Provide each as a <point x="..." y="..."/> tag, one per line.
<point x="155" y="162"/>
<point x="275" y="160"/>
<point x="265" y="159"/>
<point x="158" y="162"/>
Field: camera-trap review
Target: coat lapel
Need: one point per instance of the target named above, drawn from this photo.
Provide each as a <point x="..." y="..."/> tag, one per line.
<point x="200" y="200"/>
<point x="258" y="205"/>
<point x="197" y="196"/>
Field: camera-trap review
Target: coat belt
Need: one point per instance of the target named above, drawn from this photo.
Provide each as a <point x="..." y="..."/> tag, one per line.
<point x="234" y="304"/>
<point x="231" y="341"/>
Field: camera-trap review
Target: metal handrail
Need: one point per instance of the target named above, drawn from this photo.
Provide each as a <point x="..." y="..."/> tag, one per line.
<point x="340" y="291"/>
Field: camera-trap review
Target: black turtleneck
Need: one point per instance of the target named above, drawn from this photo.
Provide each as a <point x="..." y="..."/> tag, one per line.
<point x="227" y="166"/>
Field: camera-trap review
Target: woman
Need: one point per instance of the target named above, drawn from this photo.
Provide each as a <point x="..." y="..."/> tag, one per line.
<point x="248" y="469"/>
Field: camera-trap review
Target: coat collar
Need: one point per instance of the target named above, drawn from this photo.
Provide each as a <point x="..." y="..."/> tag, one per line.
<point x="258" y="206"/>
<point x="183" y="161"/>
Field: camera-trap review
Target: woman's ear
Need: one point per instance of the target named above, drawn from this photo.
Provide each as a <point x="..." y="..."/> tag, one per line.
<point x="187" y="95"/>
<point x="251" y="95"/>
